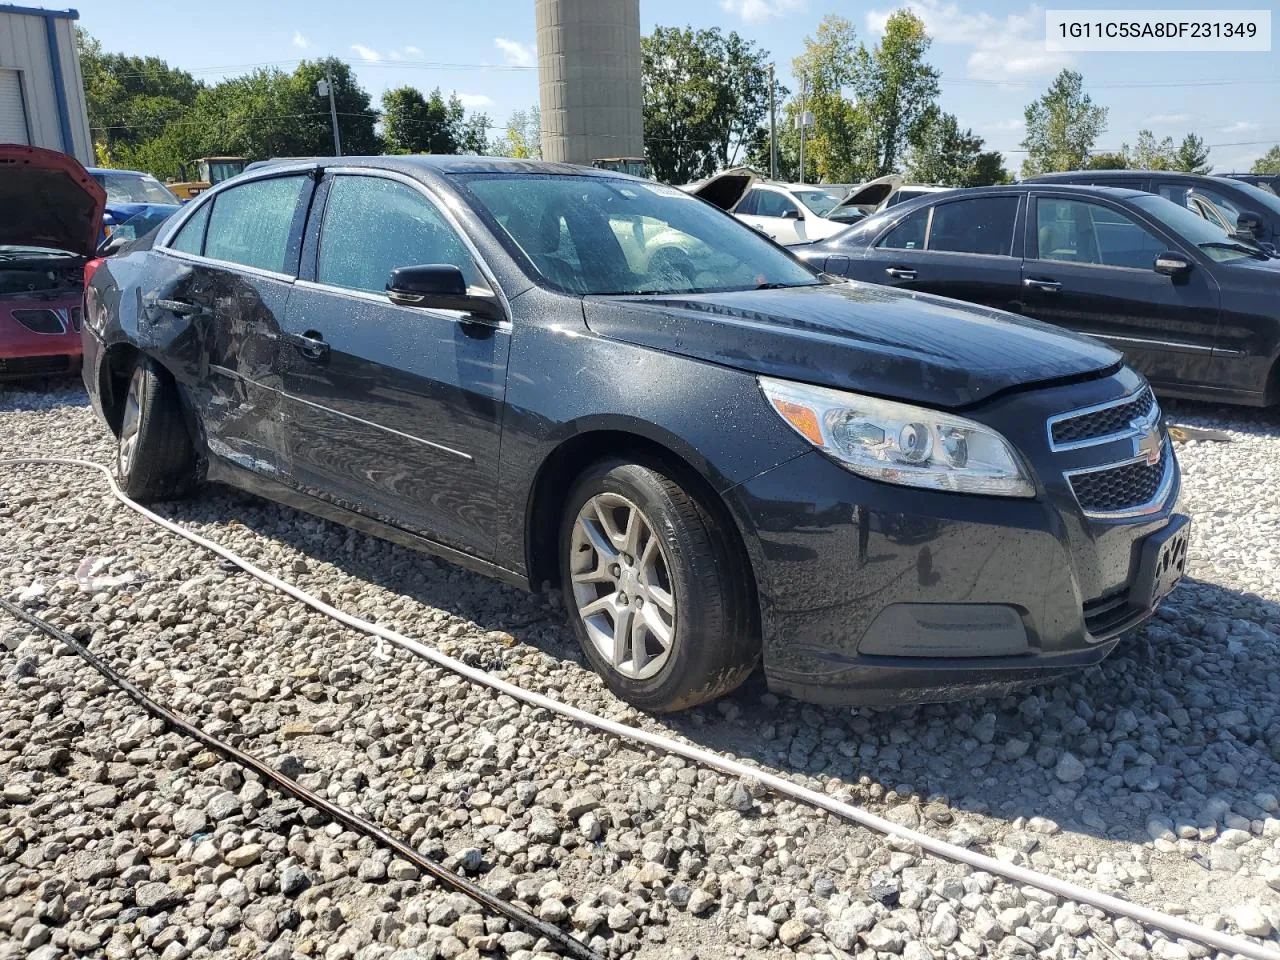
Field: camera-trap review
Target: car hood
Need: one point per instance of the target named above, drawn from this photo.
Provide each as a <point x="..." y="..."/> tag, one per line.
<point x="49" y="200"/>
<point x="862" y="337"/>
<point x="725" y="189"/>
<point x="120" y="212"/>
<point x="868" y="196"/>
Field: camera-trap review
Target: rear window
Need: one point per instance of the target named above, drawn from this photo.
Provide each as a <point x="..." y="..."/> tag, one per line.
<point x="251" y="223"/>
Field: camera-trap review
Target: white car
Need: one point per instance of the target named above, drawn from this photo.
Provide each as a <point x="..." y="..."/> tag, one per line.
<point x="790" y="213"/>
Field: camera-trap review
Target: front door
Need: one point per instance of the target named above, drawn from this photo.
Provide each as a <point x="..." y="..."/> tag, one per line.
<point x="776" y="215"/>
<point x="1090" y="267"/>
<point x="397" y="410"/>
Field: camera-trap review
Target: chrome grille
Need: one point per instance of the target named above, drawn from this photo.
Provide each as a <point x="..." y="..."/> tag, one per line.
<point x="1120" y="488"/>
<point x="1103" y="423"/>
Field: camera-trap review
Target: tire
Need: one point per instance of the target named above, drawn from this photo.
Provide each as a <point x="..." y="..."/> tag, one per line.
<point x="692" y="574"/>
<point x="154" y="456"/>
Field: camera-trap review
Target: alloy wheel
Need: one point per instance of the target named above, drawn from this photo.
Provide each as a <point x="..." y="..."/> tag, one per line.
<point x="622" y="586"/>
<point x="131" y="423"/>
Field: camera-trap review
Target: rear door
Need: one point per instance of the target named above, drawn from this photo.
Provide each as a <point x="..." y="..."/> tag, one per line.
<point x="218" y="303"/>
<point x="971" y="251"/>
<point x="395" y="410"/>
<point x="1089" y="267"/>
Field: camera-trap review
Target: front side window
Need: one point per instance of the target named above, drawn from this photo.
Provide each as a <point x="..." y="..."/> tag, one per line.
<point x="770" y="203"/>
<point x="251" y="224"/>
<point x="1076" y="231"/>
<point x="980" y="225"/>
<point x="190" y="238"/>
<point x="373" y="225"/>
<point x="604" y="236"/>
<point x="909" y="234"/>
<point x="747" y="204"/>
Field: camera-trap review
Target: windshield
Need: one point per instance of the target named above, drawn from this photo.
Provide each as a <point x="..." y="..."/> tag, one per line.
<point x="600" y="236"/>
<point x="134" y="188"/>
<point x="1194" y="229"/>
<point x="819" y="201"/>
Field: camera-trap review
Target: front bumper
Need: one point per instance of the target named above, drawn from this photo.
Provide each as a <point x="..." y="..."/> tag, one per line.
<point x="877" y="594"/>
<point x="25" y="353"/>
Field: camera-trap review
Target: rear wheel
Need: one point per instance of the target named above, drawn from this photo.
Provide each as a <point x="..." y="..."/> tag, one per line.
<point x="154" y="456"/>
<point x="657" y="591"/>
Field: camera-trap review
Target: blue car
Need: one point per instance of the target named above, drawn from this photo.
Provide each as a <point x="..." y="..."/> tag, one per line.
<point x="133" y="197"/>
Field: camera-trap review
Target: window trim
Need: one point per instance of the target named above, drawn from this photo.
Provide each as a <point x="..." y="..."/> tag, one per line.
<point x="315" y="228"/>
<point x="209" y="198"/>
<point x="1031" y="239"/>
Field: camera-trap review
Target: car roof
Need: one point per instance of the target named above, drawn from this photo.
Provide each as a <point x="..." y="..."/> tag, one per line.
<point x="446" y="164"/>
<point x="1119" y="193"/>
<point x="1069" y="175"/>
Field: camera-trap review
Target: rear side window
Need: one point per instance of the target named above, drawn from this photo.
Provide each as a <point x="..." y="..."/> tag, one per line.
<point x="190" y="238"/>
<point x="981" y="225"/>
<point x="748" y="203"/>
<point x="251" y="223"/>
<point x="373" y="225"/>
<point x="909" y="234"/>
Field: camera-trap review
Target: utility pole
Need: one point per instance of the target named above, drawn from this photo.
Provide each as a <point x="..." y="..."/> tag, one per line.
<point x="325" y="87"/>
<point x="773" y="133"/>
<point x="804" y="89"/>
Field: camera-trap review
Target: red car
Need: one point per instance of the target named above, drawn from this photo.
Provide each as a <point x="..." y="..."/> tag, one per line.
<point x="52" y="217"/>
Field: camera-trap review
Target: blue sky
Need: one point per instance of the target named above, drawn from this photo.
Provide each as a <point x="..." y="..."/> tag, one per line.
<point x="992" y="56"/>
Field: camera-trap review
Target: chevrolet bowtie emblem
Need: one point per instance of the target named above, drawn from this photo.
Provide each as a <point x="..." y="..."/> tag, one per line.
<point x="1148" y="444"/>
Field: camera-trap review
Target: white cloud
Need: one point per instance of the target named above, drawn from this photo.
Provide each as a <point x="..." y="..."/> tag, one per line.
<point x="517" y="54"/>
<point x="756" y="10"/>
<point x="1005" y="48"/>
<point x="1013" y="123"/>
<point x="395" y="55"/>
<point x="413" y="51"/>
<point x="366" y="53"/>
<point x="299" y="40"/>
<point x="1242" y="126"/>
<point x="1166" y="119"/>
<point x="474" y="100"/>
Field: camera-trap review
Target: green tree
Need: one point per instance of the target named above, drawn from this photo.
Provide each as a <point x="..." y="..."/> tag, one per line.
<point x="1062" y="126"/>
<point x="414" y="123"/>
<point x="522" y="136"/>
<point x="1150" y="154"/>
<point x="1107" y="161"/>
<point x="840" y="147"/>
<point x="940" y="152"/>
<point x="896" y="87"/>
<point x="1192" y="155"/>
<point x="705" y="93"/>
<point x="130" y="99"/>
<point x="1269" y="162"/>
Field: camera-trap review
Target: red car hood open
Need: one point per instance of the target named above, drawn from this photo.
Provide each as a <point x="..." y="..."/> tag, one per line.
<point x="48" y="200"/>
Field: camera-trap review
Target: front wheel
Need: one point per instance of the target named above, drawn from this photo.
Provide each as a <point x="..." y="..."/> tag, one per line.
<point x="658" y="592"/>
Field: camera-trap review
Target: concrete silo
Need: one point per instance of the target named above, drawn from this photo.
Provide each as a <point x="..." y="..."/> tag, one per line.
<point x="589" y="79"/>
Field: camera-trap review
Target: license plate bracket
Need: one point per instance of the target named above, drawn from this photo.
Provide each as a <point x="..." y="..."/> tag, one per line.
<point x="1163" y="563"/>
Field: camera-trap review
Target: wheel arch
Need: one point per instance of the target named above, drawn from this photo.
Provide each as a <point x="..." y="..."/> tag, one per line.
<point x="558" y="471"/>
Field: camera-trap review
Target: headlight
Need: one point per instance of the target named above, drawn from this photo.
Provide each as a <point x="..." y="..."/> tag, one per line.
<point x="900" y="443"/>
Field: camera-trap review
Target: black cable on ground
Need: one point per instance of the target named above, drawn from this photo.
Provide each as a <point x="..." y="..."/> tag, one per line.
<point x="521" y="918"/>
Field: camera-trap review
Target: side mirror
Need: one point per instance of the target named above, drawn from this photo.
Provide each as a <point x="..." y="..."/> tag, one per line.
<point x="114" y="243"/>
<point x="440" y="286"/>
<point x="1172" y="264"/>
<point x="1249" y="224"/>
<point x="791" y="214"/>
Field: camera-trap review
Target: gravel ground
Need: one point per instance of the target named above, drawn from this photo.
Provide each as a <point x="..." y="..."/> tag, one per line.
<point x="1154" y="776"/>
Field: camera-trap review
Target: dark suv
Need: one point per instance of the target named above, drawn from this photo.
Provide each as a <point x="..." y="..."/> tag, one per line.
<point x="560" y="375"/>
<point x="1231" y="196"/>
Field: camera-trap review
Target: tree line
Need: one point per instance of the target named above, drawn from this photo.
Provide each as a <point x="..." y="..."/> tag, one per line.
<point x="874" y="110"/>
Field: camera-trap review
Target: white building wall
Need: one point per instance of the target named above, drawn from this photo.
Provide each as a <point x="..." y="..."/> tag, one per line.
<point x="24" y="49"/>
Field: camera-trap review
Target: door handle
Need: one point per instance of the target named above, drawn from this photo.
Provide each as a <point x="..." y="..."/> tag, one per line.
<point x="900" y="273"/>
<point x="182" y="308"/>
<point x="310" y="344"/>
<point x="1045" y="286"/>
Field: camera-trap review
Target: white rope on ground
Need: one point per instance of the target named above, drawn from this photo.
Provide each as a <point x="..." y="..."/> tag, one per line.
<point x="734" y="768"/>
